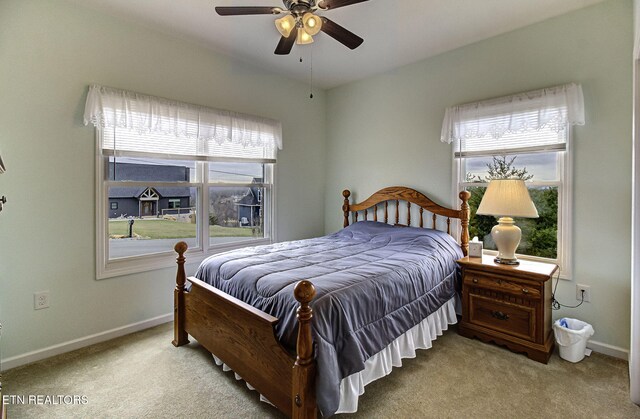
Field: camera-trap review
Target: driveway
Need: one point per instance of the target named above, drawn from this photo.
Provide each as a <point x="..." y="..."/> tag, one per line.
<point x="132" y="247"/>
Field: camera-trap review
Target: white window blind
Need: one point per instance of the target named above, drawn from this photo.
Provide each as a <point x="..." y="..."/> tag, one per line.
<point x="513" y="142"/>
<point x="526" y="122"/>
<point x="136" y="124"/>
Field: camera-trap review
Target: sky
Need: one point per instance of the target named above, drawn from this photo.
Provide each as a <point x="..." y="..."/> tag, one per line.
<point x="542" y="166"/>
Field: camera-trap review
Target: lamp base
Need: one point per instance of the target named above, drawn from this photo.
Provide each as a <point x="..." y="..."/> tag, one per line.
<point x="504" y="261"/>
<point x="506" y="235"/>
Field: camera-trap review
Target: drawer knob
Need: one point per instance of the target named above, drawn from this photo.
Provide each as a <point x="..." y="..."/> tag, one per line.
<point x="500" y="315"/>
<point x="475" y="281"/>
<point x="525" y="291"/>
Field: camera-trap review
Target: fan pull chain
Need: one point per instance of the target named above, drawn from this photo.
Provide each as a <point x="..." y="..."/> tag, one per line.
<point x="311" y="75"/>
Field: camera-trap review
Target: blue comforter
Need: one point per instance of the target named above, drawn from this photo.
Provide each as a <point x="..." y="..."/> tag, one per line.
<point x="374" y="282"/>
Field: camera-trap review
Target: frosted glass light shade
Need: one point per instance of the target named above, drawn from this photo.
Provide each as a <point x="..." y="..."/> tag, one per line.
<point x="285" y="25"/>
<point x="303" y="37"/>
<point x="312" y="23"/>
<point x="507" y="197"/>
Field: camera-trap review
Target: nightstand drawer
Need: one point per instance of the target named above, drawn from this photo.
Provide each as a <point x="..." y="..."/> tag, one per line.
<point x="501" y="285"/>
<point x="503" y="317"/>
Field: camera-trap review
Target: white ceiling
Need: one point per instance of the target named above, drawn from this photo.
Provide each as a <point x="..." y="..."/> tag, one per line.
<point x="396" y="32"/>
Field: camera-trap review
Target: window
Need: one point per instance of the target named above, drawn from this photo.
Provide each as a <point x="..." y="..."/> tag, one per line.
<point x="236" y="211"/>
<point x="197" y="179"/>
<point x="153" y="190"/>
<point x="526" y="136"/>
<point x="541" y="237"/>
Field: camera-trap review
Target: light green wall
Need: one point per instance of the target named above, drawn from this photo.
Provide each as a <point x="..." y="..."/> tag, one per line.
<point x="380" y="131"/>
<point x="49" y="52"/>
<point x="385" y="130"/>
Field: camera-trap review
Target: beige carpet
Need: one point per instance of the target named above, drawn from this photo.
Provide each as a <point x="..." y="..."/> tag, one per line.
<point x="144" y="376"/>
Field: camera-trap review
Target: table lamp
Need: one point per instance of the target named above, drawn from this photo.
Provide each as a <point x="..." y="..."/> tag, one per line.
<point x="507" y="198"/>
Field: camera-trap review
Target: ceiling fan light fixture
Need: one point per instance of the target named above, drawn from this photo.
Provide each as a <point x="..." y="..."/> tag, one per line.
<point x="303" y="37"/>
<point x="312" y="23"/>
<point x="285" y="25"/>
<point x="300" y="23"/>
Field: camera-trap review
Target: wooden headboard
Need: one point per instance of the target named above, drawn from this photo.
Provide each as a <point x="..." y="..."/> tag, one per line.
<point x="400" y="194"/>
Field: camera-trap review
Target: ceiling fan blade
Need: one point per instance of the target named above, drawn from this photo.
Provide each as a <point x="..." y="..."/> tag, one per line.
<point x="334" y="4"/>
<point x="286" y="43"/>
<point x="248" y="10"/>
<point x="340" y="34"/>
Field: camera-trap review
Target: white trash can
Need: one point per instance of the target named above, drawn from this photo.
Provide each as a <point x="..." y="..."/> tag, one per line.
<point x="571" y="336"/>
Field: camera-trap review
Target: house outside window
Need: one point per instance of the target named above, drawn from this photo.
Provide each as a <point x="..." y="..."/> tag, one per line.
<point x="194" y="179"/>
<point x="526" y="136"/>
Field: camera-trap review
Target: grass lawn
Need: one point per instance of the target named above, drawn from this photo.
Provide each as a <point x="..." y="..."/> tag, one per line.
<point x="165" y="229"/>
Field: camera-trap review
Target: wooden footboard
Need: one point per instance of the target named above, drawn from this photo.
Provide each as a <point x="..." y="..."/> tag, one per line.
<point x="243" y="337"/>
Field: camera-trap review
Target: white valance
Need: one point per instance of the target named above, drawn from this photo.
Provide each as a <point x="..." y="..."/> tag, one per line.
<point x="552" y="108"/>
<point x="114" y="108"/>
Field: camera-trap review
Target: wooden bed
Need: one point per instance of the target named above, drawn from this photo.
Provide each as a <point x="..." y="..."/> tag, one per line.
<point x="244" y="338"/>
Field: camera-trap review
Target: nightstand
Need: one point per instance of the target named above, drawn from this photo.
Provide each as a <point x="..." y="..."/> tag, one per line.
<point x="508" y="305"/>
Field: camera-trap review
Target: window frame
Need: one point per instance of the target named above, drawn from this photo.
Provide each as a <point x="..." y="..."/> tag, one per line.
<point x="565" y="197"/>
<point x="106" y="268"/>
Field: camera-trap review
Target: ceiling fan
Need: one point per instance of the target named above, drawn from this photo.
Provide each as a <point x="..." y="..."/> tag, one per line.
<point x="300" y="22"/>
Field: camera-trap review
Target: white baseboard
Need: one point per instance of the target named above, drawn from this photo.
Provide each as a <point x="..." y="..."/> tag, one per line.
<point x="606" y="349"/>
<point x="72" y="345"/>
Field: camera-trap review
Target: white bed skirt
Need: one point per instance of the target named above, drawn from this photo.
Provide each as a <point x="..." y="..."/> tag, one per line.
<point x="381" y="364"/>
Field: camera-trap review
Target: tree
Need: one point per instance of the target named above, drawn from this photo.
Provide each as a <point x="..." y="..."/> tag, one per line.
<point x="500" y="168"/>
<point x="479" y="225"/>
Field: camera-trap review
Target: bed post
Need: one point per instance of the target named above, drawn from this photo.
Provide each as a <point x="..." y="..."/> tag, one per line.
<point x="345" y="207"/>
<point x="179" y="334"/>
<point x="303" y="393"/>
<point x="465" y="214"/>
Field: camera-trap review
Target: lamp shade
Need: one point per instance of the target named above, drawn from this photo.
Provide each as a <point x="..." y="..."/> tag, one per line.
<point x="303" y="37"/>
<point x="507" y="198"/>
<point x="285" y="25"/>
<point x="312" y="23"/>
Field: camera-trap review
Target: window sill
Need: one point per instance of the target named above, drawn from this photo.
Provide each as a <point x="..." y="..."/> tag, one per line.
<point x="145" y="263"/>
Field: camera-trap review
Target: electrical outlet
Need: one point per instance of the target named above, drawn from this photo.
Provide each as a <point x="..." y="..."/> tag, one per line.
<point x="41" y="300"/>
<point x="587" y="292"/>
